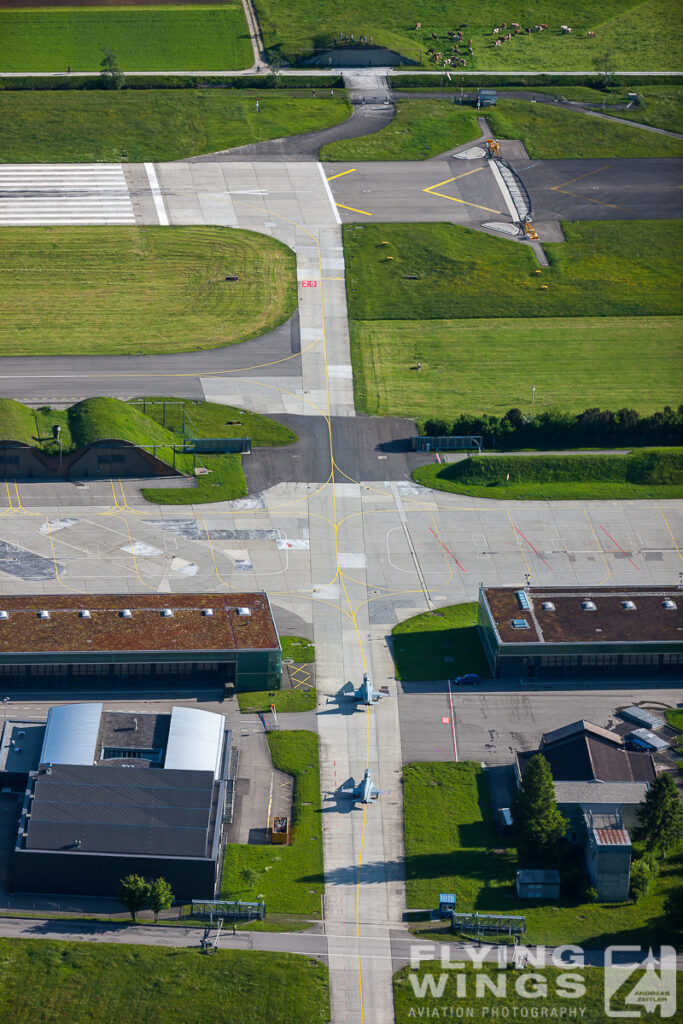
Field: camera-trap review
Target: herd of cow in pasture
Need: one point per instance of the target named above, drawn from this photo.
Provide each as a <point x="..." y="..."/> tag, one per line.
<point x="501" y="33"/>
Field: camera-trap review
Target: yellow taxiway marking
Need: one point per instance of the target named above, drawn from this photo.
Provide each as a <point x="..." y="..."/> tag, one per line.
<point x="353" y="209"/>
<point x="341" y="174"/>
<point x="561" y="188"/>
<point x="464" y="202"/>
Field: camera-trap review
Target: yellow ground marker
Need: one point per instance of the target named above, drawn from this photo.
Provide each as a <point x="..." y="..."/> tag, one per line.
<point x="353" y="209"/>
<point x="587" y="199"/>
<point x="341" y="174"/>
<point x="464" y="202"/>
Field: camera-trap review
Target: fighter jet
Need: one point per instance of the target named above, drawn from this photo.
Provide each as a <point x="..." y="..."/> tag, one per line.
<point x="366" y="693"/>
<point x="366" y="791"/>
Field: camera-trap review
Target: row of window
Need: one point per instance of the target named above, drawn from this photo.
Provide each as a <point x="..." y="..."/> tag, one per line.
<point x="180" y="668"/>
<point x="550" y="660"/>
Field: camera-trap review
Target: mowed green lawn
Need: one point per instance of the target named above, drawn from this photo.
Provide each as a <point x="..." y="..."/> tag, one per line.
<point x="422" y="643"/>
<point x="660" y="106"/>
<point x="553" y="133"/>
<point x="154" y="124"/>
<point x="639" y="35"/>
<point x="490" y="365"/>
<point x="139" y="290"/>
<point x="193" y="38"/>
<point x="47" y="982"/>
<point x="421" y="129"/>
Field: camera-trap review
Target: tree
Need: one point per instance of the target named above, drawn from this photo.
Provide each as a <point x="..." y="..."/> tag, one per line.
<point x="160" y="896"/>
<point x="641" y="876"/>
<point x="605" y="66"/>
<point x="660" y="818"/>
<point x="134" y="893"/>
<point x="538" y="823"/>
<point x="110" y="74"/>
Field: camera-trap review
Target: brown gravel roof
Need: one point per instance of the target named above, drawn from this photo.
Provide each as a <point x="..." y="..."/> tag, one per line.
<point x="146" y="630"/>
<point x="570" y="623"/>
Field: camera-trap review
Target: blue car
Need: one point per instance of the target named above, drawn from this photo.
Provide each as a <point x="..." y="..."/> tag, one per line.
<point x="471" y="677"/>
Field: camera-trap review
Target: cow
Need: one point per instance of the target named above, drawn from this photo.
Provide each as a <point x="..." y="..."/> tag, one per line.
<point x="591" y="35"/>
<point x="498" y="42"/>
<point x="515" y="24"/>
<point x="419" y="25"/>
<point x="496" y="31"/>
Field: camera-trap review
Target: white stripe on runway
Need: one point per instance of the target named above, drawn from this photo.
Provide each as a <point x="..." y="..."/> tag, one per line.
<point x="156" y="194"/>
<point x="63" y="194"/>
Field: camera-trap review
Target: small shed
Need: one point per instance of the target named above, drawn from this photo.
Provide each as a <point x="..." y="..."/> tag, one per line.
<point x="446" y="904"/>
<point x="643" y="739"/>
<point x="534" y="884"/>
<point x="487" y="98"/>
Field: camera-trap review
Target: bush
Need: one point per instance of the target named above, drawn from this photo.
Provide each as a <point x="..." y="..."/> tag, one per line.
<point x="591" y="894"/>
<point x="535" y="81"/>
<point x="592" y="428"/>
<point x="641" y="876"/>
<point x="61" y="82"/>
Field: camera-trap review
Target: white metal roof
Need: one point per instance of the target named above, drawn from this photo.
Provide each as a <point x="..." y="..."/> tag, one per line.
<point x="195" y="740"/>
<point x="71" y="734"/>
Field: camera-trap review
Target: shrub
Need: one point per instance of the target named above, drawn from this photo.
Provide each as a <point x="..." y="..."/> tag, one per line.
<point x="641" y="876"/>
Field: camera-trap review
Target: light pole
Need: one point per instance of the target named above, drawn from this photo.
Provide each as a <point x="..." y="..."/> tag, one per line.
<point x="533" y="393"/>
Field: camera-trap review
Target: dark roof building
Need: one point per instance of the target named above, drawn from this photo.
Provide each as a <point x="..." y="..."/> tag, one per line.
<point x="583" y="752"/>
<point x="125" y="639"/>
<point x="116" y="794"/>
<point x="582" y="632"/>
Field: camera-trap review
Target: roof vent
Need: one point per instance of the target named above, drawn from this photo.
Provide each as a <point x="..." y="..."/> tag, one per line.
<point x="126" y="613"/>
<point x="4" y="616"/>
<point x="84" y="614"/>
<point x="243" y="611"/>
<point x="207" y="613"/>
<point x="520" y="624"/>
<point x="588" y="605"/>
<point x="167" y="613"/>
<point x="628" y="605"/>
<point x="44" y="614"/>
<point x="548" y="606"/>
<point x="666" y="603"/>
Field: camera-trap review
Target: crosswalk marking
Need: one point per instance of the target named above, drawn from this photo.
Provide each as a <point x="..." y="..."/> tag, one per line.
<point x="63" y="194"/>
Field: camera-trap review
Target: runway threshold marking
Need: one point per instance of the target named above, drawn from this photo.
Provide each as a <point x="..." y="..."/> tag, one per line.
<point x="353" y="209"/>
<point x="341" y="174"/>
<point x="464" y="202"/>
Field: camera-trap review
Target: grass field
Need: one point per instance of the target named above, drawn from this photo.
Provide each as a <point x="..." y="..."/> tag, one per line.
<point x="645" y="474"/>
<point x="49" y="982"/>
<point x="553" y="133"/>
<point x="420" y="129"/>
<point x="298" y="648"/>
<point x="674" y="718"/>
<point x="193" y="38"/>
<point x="638" y="34"/>
<point x="284" y="700"/>
<point x="475" y="365"/>
<point x="421" y="644"/>
<point x="139" y="290"/>
<point x="104" y="418"/>
<point x="660" y="107"/>
<point x="154" y="124"/>
<point x="478" y="1004"/>
<point x="289" y="878"/>
<point x="452" y="846"/>
<point x="605" y="268"/>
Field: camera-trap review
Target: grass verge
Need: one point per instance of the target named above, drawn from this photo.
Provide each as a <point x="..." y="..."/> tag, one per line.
<point x="206" y="38"/>
<point x="155" y="124"/>
<point x="439" y="645"/>
<point x="554" y="133"/>
<point x="490" y="364"/>
<point x="289" y="878"/>
<point x="650" y="473"/>
<point x="420" y="129"/>
<point x="637" y="37"/>
<point x="674" y="718"/>
<point x="488" y="993"/>
<point x="139" y="290"/>
<point x="452" y="846"/>
<point x="298" y="648"/>
<point x="284" y="700"/>
<point x="49" y="982"/>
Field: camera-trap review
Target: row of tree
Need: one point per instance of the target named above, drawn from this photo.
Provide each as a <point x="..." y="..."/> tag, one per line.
<point x="539" y="825"/>
<point x="137" y="894"/>
<point x="554" y="428"/>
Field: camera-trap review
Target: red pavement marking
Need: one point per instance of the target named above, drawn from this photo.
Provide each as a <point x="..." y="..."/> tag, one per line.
<point x="620" y="549"/>
<point x="533" y="548"/>
<point x="461" y="567"/>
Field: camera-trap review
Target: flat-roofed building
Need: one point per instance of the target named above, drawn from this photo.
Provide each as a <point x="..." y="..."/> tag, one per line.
<point x="582" y="632"/>
<point x="116" y="641"/>
<point x="116" y="793"/>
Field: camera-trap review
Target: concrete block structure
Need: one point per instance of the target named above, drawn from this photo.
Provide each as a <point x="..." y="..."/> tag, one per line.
<point x="123" y="641"/>
<point x="582" y="632"/>
<point x="608" y="855"/>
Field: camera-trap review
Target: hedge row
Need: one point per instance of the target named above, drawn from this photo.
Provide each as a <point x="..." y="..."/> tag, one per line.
<point x="538" y="81"/>
<point x="593" y="428"/>
<point x="58" y="82"/>
<point x="658" y="466"/>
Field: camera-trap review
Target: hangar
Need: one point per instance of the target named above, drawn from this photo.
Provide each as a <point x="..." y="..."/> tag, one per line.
<point x="117" y="641"/>
<point x="116" y="793"/>
<point x="582" y="632"/>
